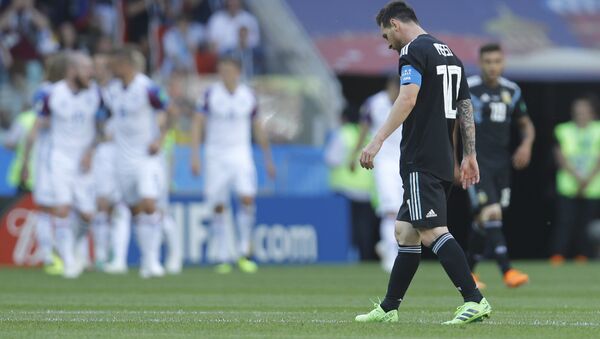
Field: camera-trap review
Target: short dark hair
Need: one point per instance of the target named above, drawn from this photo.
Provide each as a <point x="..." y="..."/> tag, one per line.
<point x="396" y="10"/>
<point x="491" y="47"/>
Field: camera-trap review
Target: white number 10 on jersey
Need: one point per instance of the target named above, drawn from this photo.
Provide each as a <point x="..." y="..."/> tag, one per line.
<point x="447" y="72"/>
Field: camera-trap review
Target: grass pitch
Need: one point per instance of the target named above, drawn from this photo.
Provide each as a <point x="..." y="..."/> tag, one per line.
<point x="317" y="301"/>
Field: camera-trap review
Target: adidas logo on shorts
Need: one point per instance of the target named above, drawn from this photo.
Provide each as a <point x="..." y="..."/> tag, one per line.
<point x="431" y="214"/>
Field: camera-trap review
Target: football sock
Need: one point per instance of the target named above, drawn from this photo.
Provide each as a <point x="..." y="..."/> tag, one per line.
<point x="476" y="246"/>
<point x="220" y="237"/>
<point x="120" y="234"/>
<point x="65" y="240"/>
<point x="245" y="219"/>
<point x="100" y="231"/>
<point x="405" y="267"/>
<point x="82" y="245"/>
<point x="493" y="230"/>
<point x="43" y="234"/>
<point x="453" y="259"/>
<point x="174" y="242"/>
<point x="145" y="226"/>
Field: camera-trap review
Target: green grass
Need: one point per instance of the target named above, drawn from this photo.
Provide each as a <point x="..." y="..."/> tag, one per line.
<point x="318" y="301"/>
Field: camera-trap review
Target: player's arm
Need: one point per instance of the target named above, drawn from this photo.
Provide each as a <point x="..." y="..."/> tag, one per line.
<point x="165" y="117"/>
<point x="165" y="120"/>
<point x="522" y="155"/>
<point x="196" y="136"/>
<point x="364" y="131"/>
<point x="365" y="125"/>
<point x="263" y="141"/>
<point x="469" y="169"/>
<point x="564" y="164"/>
<point x="404" y="104"/>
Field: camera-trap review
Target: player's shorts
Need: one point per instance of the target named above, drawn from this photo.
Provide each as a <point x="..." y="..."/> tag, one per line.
<point x="389" y="184"/>
<point x="71" y="187"/>
<point x="226" y="173"/>
<point x="141" y="179"/>
<point x="493" y="188"/>
<point x="425" y="200"/>
<point x="104" y="169"/>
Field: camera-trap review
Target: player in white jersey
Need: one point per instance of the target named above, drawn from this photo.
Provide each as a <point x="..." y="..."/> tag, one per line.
<point x="227" y="114"/>
<point x="111" y="228"/>
<point x="42" y="195"/>
<point x="69" y="110"/>
<point x="387" y="167"/>
<point x="141" y="113"/>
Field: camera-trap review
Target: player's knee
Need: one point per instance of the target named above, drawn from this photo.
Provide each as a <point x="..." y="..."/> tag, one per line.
<point x="247" y="201"/>
<point x="428" y="236"/>
<point x="406" y="235"/>
<point x="103" y="205"/>
<point x="219" y="208"/>
<point x="87" y="217"/>
<point x="148" y="206"/>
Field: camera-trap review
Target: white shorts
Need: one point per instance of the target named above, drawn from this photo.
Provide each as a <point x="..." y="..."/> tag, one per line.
<point x="389" y="184"/>
<point x="104" y="169"/>
<point x="42" y="188"/>
<point x="73" y="188"/>
<point x="234" y="172"/>
<point x="142" y="179"/>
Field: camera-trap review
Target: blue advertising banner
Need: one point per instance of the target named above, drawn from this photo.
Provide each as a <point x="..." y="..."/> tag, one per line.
<point x="300" y="230"/>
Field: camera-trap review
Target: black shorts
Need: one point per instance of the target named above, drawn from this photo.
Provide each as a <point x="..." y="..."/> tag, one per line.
<point x="493" y="188"/>
<point x="425" y="200"/>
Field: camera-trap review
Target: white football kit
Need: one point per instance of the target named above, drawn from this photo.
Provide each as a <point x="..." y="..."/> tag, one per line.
<point x="228" y="142"/>
<point x="42" y="188"/>
<point x="139" y="174"/>
<point x="71" y="133"/>
<point x="105" y="165"/>
<point x="387" y="162"/>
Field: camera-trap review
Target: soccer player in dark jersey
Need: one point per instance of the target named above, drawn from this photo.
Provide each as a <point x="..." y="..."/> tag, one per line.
<point x="433" y="94"/>
<point x="498" y="104"/>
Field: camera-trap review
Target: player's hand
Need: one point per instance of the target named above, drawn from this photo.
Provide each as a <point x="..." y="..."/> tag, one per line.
<point x="469" y="171"/>
<point x="196" y="167"/>
<point x="271" y="170"/>
<point x="86" y="161"/>
<point x="522" y="157"/>
<point x="154" y="147"/>
<point x="368" y="154"/>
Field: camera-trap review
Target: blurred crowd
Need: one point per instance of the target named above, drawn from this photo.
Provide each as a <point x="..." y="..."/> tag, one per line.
<point x="180" y="38"/>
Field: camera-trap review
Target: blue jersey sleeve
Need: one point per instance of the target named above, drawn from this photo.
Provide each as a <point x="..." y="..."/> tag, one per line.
<point x="158" y="97"/>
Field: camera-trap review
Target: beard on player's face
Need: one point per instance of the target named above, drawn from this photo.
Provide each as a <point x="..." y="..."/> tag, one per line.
<point x="82" y="82"/>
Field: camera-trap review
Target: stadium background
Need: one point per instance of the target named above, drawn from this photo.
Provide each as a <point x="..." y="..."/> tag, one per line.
<point x="320" y="56"/>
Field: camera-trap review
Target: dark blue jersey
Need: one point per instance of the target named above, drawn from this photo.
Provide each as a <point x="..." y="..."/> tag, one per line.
<point x="427" y="132"/>
<point x="494" y="111"/>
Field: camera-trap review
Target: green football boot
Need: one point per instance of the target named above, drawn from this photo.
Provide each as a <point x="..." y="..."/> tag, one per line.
<point x="56" y="267"/>
<point x="378" y="315"/>
<point x="247" y="266"/>
<point x="470" y="312"/>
